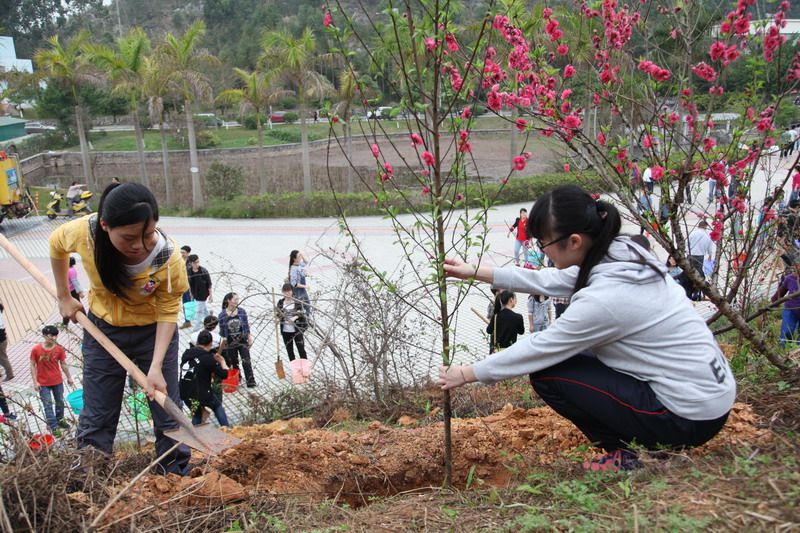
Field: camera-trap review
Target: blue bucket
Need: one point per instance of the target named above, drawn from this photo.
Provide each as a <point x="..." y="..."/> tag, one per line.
<point x="75" y="401"/>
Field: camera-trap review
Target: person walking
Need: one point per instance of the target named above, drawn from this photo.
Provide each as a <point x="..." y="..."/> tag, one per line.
<point x="699" y="246"/>
<point x="200" y="287"/>
<point x="292" y="319"/>
<point x="136" y="278"/>
<point x="790" y="318"/>
<point x="8" y="369"/>
<point x="630" y="362"/>
<point x="206" y="364"/>
<point x="48" y="360"/>
<point x="236" y="338"/>
<point x="505" y="324"/>
<point x="297" y="278"/>
<point x="521" y="236"/>
<point x="647" y="179"/>
<point x="186" y="250"/>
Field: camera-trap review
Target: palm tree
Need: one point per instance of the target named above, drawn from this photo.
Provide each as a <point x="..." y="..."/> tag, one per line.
<point x="155" y="88"/>
<point x="294" y="58"/>
<point x="66" y="65"/>
<point x="124" y="67"/>
<point x="257" y="93"/>
<point x="351" y="87"/>
<point x="184" y="61"/>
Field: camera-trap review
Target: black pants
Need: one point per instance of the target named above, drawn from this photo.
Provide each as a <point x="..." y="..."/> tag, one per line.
<point x="232" y="355"/>
<point x="104" y="387"/>
<point x="3" y="403"/>
<point x="614" y="410"/>
<point x="297" y="338"/>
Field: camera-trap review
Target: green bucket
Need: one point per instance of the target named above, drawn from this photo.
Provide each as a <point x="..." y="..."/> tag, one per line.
<point x="140" y="408"/>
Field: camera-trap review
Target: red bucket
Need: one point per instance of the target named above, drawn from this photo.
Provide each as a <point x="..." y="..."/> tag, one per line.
<point x="41" y="441"/>
<point x="231" y="383"/>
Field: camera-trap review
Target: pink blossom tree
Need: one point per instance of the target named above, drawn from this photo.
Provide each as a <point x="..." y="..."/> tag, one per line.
<point x="624" y="81"/>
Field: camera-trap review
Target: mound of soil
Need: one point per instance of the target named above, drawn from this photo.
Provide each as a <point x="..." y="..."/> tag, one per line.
<point x="291" y="457"/>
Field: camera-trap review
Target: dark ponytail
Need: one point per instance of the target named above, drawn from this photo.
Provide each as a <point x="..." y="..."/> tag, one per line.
<point x="501" y="299"/>
<point x="120" y="205"/>
<point x="569" y="209"/>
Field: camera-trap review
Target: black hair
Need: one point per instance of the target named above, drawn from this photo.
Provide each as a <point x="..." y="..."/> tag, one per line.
<point x="71" y="261"/>
<point x="186" y="248"/>
<point x="286" y="287"/>
<point x="502" y="299"/>
<point x="227" y="299"/>
<point x="210" y="322"/>
<point x="292" y="256"/>
<point x="49" y="330"/>
<point x="569" y="209"/>
<point x="204" y="338"/>
<point x="122" y="204"/>
<point x="192" y="258"/>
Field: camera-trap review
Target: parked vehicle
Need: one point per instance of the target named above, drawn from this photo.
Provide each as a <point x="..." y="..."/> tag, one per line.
<point x="15" y="200"/>
<point x="380" y="112"/>
<point x="38" y="127"/>
<point x="277" y="117"/>
<point x="79" y="207"/>
<point x="208" y="120"/>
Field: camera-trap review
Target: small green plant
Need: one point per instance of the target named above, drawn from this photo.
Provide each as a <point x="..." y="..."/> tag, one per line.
<point x="207" y="139"/>
<point x="290" y="117"/>
<point x="224" y="181"/>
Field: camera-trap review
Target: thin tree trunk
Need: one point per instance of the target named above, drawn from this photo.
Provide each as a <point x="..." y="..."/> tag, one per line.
<point x="349" y="133"/>
<point x="137" y="128"/>
<point x="304" y="145"/>
<point x="165" y="162"/>
<point x="262" y="175"/>
<point x="194" y="168"/>
<point x="514" y="151"/>
<point x="85" y="160"/>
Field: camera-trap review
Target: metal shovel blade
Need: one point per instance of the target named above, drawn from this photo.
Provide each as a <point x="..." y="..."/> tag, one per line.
<point x="205" y="438"/>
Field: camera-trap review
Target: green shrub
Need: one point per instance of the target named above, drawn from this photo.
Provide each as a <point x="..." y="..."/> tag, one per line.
<point x="290" y="117"/>
<point x="52" y="140"/>
<point x="224" y="181"/>
<point x="296" y="204"/>
<point x="287" y="102"/>
<point x="207" y="139"/>
<point x="286" y="136"/>
<point x="249" y="121"/>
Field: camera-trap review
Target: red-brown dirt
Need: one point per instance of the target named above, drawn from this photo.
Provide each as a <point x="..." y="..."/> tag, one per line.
<point x="291" y="458"/>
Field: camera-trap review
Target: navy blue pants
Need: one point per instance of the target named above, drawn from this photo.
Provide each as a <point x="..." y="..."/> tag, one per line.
<point x="104" y="386"/>
<point x="614" y="410"/>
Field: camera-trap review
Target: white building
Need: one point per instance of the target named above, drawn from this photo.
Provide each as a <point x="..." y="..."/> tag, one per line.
<point x="8" y="57"/>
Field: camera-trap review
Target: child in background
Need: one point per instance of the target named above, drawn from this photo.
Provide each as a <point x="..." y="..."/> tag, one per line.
<point x="75" y="289"/>
<point x="790" y="319"/>
<point x="297" y="278"/>
<point x="521" y="237"/>
<point x="48" y="360"/>
<point x="505" y="324"/>
<point x="234" y="329"/>
<point x="539" y="307"/>
<point x="290" y="313"/>
<point x="4" y="361"/>
<point x="206" y="364"/>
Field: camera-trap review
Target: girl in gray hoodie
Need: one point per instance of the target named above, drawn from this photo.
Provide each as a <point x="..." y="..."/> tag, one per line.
<point x="630" y="360"/>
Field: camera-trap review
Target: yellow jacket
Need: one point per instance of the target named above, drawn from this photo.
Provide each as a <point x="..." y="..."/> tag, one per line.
<point x="155" y="295"/>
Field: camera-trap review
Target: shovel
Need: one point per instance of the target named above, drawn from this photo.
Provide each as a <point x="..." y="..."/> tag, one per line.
<point x="279" y="371"/>
<point x="205" y="438"/>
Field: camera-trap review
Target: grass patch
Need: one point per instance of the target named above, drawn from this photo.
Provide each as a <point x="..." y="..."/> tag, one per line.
<point x="325" y="204"/>
<point x="125" y="141"/>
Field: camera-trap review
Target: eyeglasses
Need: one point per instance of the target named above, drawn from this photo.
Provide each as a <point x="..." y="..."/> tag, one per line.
<point x="543" y="246"/>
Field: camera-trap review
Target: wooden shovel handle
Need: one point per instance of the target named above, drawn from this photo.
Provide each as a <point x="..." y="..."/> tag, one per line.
<point x="83" y="320"/>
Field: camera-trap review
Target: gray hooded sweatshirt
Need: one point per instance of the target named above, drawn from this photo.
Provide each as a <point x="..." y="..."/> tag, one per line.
<point x="635" y="319"/>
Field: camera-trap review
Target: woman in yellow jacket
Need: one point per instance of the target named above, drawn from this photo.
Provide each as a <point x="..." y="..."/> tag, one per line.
<point x="136" y="279"/>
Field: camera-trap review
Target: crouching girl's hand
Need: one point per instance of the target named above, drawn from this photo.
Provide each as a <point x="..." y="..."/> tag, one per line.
<point x="454" y="376"/>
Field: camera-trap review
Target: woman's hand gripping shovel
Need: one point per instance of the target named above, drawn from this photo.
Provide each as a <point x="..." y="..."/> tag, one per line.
<point x="204" y="438"/>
